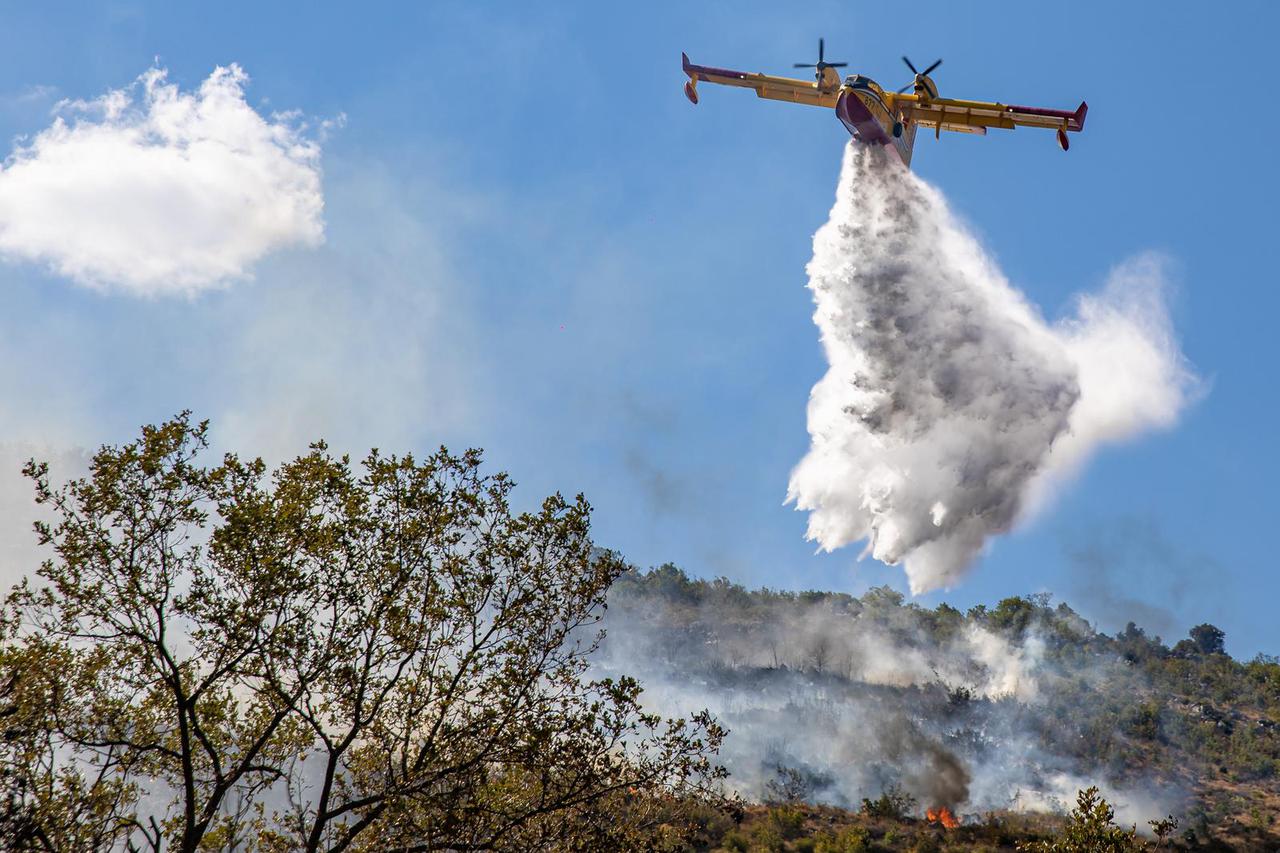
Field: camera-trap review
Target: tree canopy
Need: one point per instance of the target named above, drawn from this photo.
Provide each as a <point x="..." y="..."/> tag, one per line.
<point x="327" y="656"/>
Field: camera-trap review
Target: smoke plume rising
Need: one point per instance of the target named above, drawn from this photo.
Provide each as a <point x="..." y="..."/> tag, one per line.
<point x="833" y="699"/>
<point x="950" y="405"/>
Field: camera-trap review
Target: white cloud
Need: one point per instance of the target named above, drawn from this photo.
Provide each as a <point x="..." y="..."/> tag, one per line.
<point x="156" y="191"/>
<point x="32" y="94"/>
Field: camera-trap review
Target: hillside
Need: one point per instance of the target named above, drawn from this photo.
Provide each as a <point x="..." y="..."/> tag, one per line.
<point x="1000" y="714"/>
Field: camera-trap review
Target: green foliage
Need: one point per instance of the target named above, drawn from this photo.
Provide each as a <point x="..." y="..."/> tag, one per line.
<point x="766" y="837"/>
<point x="773" y="830"/>
<point x="1142" y="720"/>
<point x="393" y="628"/>
<point x="893" y="803"/>
<point x="1209" y="640"/>
<point x="789" y="785"/>
<point x="850" y="839"/>
<point x="882" y="598"/>
<point x="1163" y="829"/>
<point x="1090" y="829"/>
<point x="788" y="820"/>
<point x="1013" y="616"/>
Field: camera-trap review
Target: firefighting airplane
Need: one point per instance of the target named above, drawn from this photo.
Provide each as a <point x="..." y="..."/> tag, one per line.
<point x="877" y="117"/>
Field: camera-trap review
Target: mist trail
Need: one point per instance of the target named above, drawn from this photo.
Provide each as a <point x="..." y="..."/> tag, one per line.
<point x="950" y="405"/>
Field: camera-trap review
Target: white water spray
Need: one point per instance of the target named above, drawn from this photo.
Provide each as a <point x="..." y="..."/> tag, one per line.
<point x="950" y="403"/>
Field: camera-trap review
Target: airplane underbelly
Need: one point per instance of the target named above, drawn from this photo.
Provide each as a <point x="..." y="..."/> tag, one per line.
<point x="866" y="118"/>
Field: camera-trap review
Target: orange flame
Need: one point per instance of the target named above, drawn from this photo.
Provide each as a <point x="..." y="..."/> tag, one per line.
<point x="942" y="816"/>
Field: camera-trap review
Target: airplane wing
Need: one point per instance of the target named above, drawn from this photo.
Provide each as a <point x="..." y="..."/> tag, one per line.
<point x="976" y="116"/>
<point x="766" y="86"/>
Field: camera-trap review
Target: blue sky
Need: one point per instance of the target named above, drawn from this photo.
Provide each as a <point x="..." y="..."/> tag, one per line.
<point x="535" y="245"/>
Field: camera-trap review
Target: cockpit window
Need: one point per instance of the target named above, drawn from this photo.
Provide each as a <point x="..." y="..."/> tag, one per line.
<point x="859" y="81"/>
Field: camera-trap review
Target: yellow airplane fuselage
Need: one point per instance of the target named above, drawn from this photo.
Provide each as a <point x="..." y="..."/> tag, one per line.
<point x="877" y="117"/>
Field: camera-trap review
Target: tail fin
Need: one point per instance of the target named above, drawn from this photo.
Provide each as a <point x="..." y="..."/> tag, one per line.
<point x="1077" y="120"/>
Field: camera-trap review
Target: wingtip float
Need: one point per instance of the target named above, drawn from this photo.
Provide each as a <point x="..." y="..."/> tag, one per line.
<point x="875" y="116"/>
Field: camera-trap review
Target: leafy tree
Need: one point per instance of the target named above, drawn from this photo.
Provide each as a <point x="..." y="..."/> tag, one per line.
<point x="789" y="785"/>
<point x="947" y="622"/>
<point x="1209" y="640"/>
<point x="1163" y="829"/>
<point x="880" y="599"/>
<point x="670" y="582"/>
<point x="1090" y="829"/>
<point x="893" y="803"/>
<point x="1013" y="616"/>
<point x="387" y="647"/>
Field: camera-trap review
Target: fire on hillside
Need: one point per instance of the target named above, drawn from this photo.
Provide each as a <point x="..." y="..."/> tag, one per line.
<point x="942" y="816"/>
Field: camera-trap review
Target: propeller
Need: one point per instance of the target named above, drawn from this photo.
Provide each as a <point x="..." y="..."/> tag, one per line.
<point x="822" y="62"/>
<point x="918" y="74"/>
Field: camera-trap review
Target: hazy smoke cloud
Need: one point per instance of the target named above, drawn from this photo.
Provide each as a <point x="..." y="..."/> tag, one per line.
<point x="838" y="699"/>
<point x="156" y="191"/>
<point x="1128" y="569"/>
<point x="949" y="402"/>
<point x="20" y="553"/>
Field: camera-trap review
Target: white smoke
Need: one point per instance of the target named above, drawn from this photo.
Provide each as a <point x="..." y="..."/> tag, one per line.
<point x="950" y="403"/>
<point x="20" y="553"/>
<point x="858" y="695"/>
